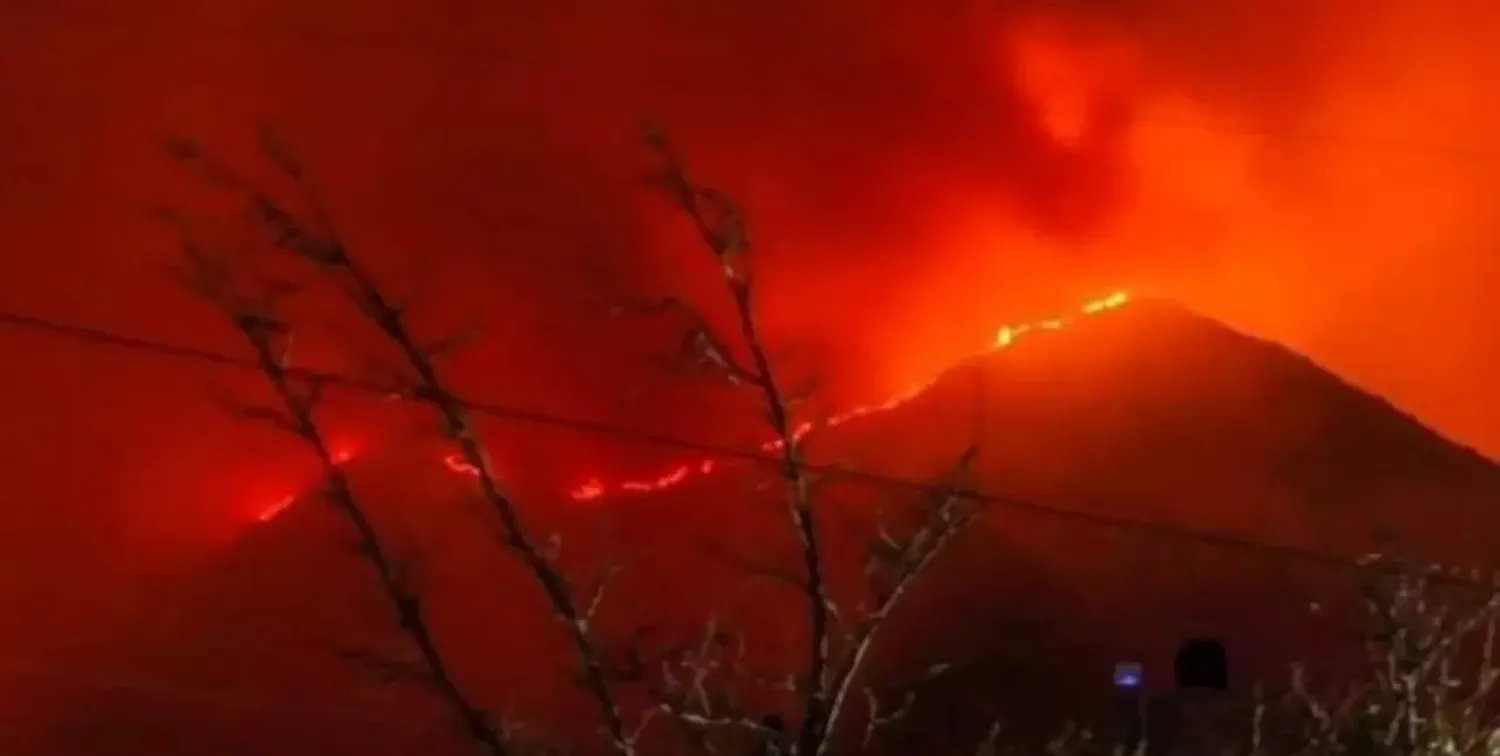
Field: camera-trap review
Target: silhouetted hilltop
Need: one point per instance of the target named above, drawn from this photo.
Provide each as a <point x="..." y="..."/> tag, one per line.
<point x="1105" y="447"/>
<point x="1152" y="413"/>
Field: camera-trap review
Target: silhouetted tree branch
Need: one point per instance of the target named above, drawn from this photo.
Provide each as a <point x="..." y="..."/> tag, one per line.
<point x="721" y="226"/>
<point x="1432" y="674"/>
<point x="695" y="684"/>
<point x="1429" y="688"/>
<point x="314" y="240"/>
<point x="254" y="315"/>
<point x="893" y="566"/>
<point x="896" y="562"/>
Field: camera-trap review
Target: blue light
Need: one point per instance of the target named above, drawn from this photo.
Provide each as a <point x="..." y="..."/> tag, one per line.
<point x="1128" y="675"/>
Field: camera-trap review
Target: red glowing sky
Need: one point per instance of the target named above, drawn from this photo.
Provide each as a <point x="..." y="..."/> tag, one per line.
<point x="1315" y="172"/>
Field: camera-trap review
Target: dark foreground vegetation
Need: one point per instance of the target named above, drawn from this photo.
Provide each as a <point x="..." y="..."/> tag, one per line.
<point x="1422" y="682"/>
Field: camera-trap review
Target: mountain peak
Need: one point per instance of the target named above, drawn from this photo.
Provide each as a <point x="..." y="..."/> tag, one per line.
<point x="1151" y="415"/>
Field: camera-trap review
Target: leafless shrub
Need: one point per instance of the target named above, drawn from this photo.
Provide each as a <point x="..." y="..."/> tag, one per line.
<point x="251" y="307"/>
<point x="310" y="238"/>
<point x="1430" y="681"/>
<point x="1429" y="687"/>
<point x="838" y="642"/>
<point x="689" y="683"/>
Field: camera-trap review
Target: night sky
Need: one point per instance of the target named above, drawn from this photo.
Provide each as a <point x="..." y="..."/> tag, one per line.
<point x="1317" y="173"/>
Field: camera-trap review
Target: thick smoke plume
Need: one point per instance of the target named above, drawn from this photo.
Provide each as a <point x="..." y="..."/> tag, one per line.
<point x="914" y="172"/>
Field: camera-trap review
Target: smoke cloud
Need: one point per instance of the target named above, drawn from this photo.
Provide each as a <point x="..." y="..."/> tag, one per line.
<point x="915" y="174"/>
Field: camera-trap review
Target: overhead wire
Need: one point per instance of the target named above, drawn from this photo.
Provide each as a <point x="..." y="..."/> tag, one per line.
<point x="346" y="39"/>
<point x="249" y="700"/>
<point x="101" y="336"/>
<point x="105" y="337"/>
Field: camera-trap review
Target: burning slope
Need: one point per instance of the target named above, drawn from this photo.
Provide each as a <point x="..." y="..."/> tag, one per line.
<point x="1149" y="415"/>
<point x="1006" y="336"/>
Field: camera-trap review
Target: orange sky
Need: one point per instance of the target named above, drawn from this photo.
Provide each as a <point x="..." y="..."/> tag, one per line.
<point x="1314" y="172"/>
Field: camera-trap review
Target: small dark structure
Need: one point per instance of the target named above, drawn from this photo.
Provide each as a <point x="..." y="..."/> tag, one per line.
<point x="1202" y="664"/>
<point x="1198" y="716"/>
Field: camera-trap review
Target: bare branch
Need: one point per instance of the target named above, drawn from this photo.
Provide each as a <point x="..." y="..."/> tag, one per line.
<point x="694" y="686"/>
<point x="274" y="150"/>
<point x="878" y="718"/>
<point x="318" y="244"/>
<point x="447" y="348"/>
<point x="596" y="599"/>
<point x="266" y="336"/>
<point x="905" y="562"/>
<point x="701" y="344"/>
<point x="721" y="226"/>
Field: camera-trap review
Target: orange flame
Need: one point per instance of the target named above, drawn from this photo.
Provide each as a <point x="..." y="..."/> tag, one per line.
<point x="341" y="456"/>
<point x="1005" y="337"/>
<point x="593" y="488"/>
<point x="272" y="512"/>
<point x="456" y="463"/>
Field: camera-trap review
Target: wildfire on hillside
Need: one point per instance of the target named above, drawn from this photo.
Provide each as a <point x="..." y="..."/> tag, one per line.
<point x="595" y="488"/>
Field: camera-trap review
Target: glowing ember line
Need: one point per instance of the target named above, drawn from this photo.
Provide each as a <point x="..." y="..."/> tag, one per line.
<point x="275" y="510"/>
<point x="456" y="463"/>
<point x="340" y="457"/>
<point x="1005" y="337"/>
<point x="594" y="488"/>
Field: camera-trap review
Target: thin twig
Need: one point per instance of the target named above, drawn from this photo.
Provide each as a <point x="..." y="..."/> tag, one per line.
<point x="318" y="244"/>
<point x="944" y="523"/>
<point x="265" y="334"/>
<point x="721" y="227"/>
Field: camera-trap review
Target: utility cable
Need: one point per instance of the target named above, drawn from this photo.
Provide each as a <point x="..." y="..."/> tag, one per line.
<point x="100" y="336"/>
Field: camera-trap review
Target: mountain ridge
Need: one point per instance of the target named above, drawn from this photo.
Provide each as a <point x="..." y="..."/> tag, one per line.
<point x="1150" y="413"/>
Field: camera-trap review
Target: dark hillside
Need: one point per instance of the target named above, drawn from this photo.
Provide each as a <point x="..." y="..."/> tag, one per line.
<point x="1112" y="439"/>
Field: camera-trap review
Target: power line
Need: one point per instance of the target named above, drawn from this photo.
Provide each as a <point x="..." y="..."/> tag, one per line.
<point x="105" y="337"/>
